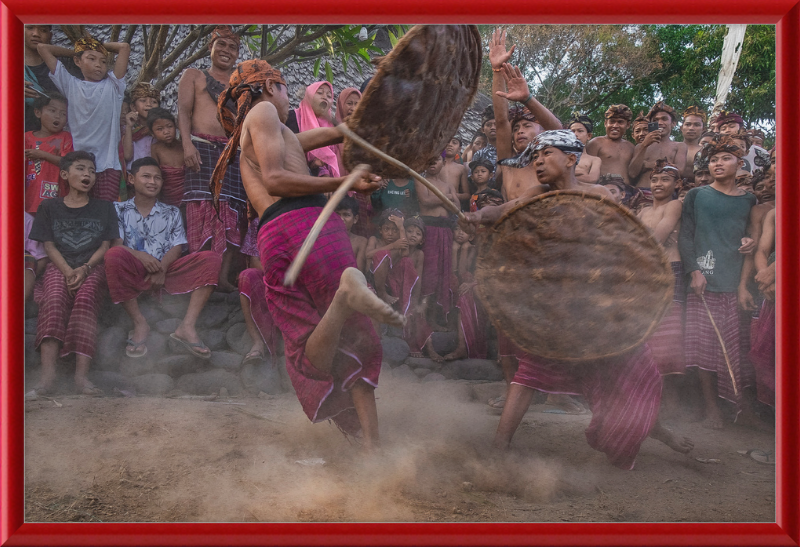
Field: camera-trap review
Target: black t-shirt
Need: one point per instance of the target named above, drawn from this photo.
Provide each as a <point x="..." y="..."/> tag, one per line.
<point x="77" y="232"/>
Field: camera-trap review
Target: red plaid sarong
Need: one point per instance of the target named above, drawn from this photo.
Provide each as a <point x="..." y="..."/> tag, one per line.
<point x="667" y="342"/>
<point x="623" y="393"/>
<point x="401" y="279"/>
<point x="106" y="186"/>
<point x="472" y="318"/>
<point x="250" y="242"/>
<point x="202" y="224"/>
<point x="437" y="264"/>
<point x="172" y="190"/>
<point x="126" y="274"/>
<point x="416" y="331"/>
<point x="251" y="286"/>
<point x="71" y="320"/>
<point x="762" y="353"/>
<point x="505" y="347"/>
<point x="297" y="310"/>
<point x="703" y="349"/>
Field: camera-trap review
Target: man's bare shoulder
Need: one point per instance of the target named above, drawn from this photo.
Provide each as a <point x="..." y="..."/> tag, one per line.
<point x="358" y="241"/>
<point x="262" y="115"/>
<point x="190" y="75"/>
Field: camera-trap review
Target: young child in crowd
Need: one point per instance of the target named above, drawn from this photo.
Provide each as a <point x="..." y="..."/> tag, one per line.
<point x="348" y="211"/>
<point x="94" y="104"/>
<point x="167" y="150"/>
<point x="394" y="274"/>
<point x="44" y="149"/>
<point x="482" y="173"/>
<point x="76" y="230"/>
<point x="147" y="257"/>
<point x="35" y="258"/>
<point x="137" y="139"/>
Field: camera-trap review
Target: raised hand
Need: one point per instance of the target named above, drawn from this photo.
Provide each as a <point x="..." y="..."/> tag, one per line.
<point x="497" y="49"/>
<point x="516" y="84"/>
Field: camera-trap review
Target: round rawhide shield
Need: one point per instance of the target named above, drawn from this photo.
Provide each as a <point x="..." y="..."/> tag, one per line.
<point x="574" y="277"/>
<point x="414" y="104"/>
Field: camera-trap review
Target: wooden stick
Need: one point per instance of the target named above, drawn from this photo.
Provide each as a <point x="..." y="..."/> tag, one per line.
<point x="311" y="238"/>
<point x="721" y="343"/>
<point x="397" y="163"/>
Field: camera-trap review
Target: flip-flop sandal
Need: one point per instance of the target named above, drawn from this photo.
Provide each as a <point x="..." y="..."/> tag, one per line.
<point x="192" y="347"/>
<point x="766" y="458"/>
<point x="139" y="348"/>
<point x="497" y="402"/>
<point x="253" y="357"/>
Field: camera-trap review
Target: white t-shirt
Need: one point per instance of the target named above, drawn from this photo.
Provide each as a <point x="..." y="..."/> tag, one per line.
<point x="750" y="159"/>
<point x="141" y="149"/>
<point x="93" y="112"/>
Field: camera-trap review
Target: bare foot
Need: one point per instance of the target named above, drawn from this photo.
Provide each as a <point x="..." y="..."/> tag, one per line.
<point x="678" y="444"/>
<point x="713" y="419"/>
<point x="459" y="353"/>
<point x="389" y="299"/>
<point x="190" y="335"/>
<point x="138" y="335"/>
<point x="565" y="403"/>
<point x="357" y="296"/>
<point x="432" y="355"/>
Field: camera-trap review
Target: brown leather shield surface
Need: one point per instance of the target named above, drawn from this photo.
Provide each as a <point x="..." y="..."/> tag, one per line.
<point x="574" y="277"/>
<point x="417" y="97"/>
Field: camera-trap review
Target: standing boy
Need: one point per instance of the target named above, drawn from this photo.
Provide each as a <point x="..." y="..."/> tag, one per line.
<point x="167" y="150"/>
<point x="94" y="104"/>
<point x="692" y="128"/>
<point x="44" y="149"/>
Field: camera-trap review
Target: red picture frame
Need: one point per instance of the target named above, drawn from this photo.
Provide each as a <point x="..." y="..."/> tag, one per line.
<point x="783" y="13"/>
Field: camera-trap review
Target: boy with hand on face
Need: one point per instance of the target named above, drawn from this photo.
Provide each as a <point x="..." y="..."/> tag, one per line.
<point x="167" y="150"/>
<point x="44" y="149"/>
<point x="76" y="230"/>
<point x="94" y="104"/>
<point x="147" y="256"/>
<point x="137" y="139"/>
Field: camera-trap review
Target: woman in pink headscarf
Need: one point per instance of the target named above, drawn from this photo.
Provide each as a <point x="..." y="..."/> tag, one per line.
<point x="315" y="111"/>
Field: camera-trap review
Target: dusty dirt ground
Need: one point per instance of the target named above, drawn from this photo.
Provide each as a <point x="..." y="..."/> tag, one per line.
<point x="147" y="459"/>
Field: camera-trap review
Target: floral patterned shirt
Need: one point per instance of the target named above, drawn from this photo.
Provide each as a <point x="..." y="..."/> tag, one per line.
<point x="154" y="234"/>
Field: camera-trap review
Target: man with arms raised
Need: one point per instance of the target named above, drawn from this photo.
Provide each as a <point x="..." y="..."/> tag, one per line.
<point x="623" y="392"/>
<point x="203" y="139"/>
<point x="333" y="354"/>
<point x="614" y="151"/>
<point x="655" y="146"/>
<point x="692" y="128"/>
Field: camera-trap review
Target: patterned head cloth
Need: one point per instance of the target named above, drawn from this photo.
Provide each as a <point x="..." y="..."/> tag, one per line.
<point x="414" y="221"/>
<point x="563" y="139"/>
<point x="619" y="111"/>
<point x="665" y="167"/>
<point x="729" y="117"/>
<point x="582" y="119"/>
<point x="721" y="143"/>
<point x="144" y="90"/>
<point x="519" y="113"/>
<point x="694" y="111"/>
<point x="661" y="106"/>
<point x="89" y="44"/>
<point x="641" y="118"/>
<point x="488" y="196"/>
<point x="755" y="133"/>
<point x="223" y="31"/>
<point x="743" y="136"/>
<point x="247" y="83"/>
<point x="700" y="160"/>
<point x="488" y="114"/>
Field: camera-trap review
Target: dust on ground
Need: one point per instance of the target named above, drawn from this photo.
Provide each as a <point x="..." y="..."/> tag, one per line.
<point x="146" y="459"/>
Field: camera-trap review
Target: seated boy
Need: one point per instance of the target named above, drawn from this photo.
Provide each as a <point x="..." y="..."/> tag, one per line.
<point x="137" y="139"/>
<point x="147" y="256"/>
<point x="348" y="211"/>
<point x="94" y="104"/>
<point x="44" y="149"/>
<point x="167" y="150"/>
<point x="76" y="231"/>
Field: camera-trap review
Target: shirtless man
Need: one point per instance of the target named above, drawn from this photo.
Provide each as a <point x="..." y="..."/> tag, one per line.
<point x="692" y="128"/>
<point x="588" y="169"/>
<point x="655" y="146"/>
<point x="515" y="129"/>
<point x="455" y="173"/>
<point x="614" y="151"/>
<point x="333" y="354"/>
<point x="203" y="138"/>
<point x="554" y="155"/>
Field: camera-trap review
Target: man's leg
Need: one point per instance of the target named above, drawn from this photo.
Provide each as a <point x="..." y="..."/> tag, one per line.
<point x="364" y="400"/>
<point x="381" y="276"/>
<point x="30" y="280"/>
<point x="186" y="330"/>
<point x="140" y="327"/>
<point x="517" y="402"/>
<point x="49" y="356"/>
<point x="252" y="330"/>
<point x="708" y="383"/>
<point x="227" y="257"/>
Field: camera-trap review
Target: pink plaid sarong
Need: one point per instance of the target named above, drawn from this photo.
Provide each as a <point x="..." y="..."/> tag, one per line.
<point x="472" y="319"/>
<point x="297" y="310"/>
<point x="762" y="353"/>
<point x="623" y="393"/>
<point x="703" y="349"/>
<point x="251" y="286"/>
<point x="126" y="274"/>
<point x="172" y="190"/>
<point x="401" y="279"/>
<point x="202" y="224"/>
<point x="72" y="320"/>
<point x="106" y="186"/>
<point x="437" y="265"/>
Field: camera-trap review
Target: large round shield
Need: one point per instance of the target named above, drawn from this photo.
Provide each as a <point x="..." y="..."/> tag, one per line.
<point x="571" y="276"/>
<point x="417" y="97"/>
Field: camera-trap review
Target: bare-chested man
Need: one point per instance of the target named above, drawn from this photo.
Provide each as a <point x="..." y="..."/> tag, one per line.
<point x="588" y="169"/>
<point x="437" y="248"/>
<point x="692" y="128"/>
<point x="655" y="146"/>
<point x="615" y="152"/>
<point x="455" y="173"/>
<point x="203" y="139"/>
<point x="333" y="354"/>
<point x="622" y="409"/>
